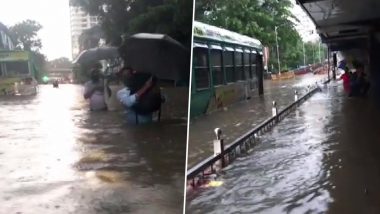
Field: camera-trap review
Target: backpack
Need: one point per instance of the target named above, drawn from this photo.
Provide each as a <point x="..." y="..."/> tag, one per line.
<point x="151" y="101"/>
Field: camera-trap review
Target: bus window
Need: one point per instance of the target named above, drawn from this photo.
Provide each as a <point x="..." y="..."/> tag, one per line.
<point x="247" y="64"/>
<point x="15" y="68"/>
<point x="253" y="73"/>
<point x="239" y="66"/>
<point x="216" y="67"/>
<point x="201" y="73"/>
<point x="229" y="65"/>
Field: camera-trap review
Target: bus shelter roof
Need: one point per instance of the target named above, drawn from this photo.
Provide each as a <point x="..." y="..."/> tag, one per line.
<point x="339" y="22"/>
<point x="215" y="33"/>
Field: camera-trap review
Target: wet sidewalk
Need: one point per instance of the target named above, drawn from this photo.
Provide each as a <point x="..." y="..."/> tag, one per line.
<point x="322" y="158"/>
<point x="239" y="118"/>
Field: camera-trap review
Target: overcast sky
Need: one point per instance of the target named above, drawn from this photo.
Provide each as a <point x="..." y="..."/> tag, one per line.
<point x="306" y="27"/>
<point x="53" y="15"/>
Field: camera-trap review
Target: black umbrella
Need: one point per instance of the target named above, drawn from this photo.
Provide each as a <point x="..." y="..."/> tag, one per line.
<point x="95" y="54"/>
<point x="157" y="54"/>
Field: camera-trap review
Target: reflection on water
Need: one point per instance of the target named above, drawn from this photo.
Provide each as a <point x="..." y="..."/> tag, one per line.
<point x="301" y="165"/>
<point x="241" y="117"/>
<point x="57" y="157"/>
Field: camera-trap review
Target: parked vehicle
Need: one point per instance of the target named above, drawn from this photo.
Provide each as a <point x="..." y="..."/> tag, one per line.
<point x="227" y="68"/>
<point x="18" y="73"/>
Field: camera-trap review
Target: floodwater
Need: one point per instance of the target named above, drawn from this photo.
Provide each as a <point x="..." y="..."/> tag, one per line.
<point x="58" y="157"/>
<point x="239" y="118"/>
<point x="322" y="158"/>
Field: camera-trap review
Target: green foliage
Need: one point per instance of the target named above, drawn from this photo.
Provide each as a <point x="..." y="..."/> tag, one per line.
<point x="312" y="52"/>
<point x="126" y="17"/>
<point x="256" y="18"/>
<point x="25" y="35"/>
<point x="39" y="63"/>
<point x="62" y="62"/>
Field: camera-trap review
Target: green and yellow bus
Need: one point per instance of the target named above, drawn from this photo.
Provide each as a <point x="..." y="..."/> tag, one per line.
<point x="18" y="73"/>
<point x="227" y="68"/>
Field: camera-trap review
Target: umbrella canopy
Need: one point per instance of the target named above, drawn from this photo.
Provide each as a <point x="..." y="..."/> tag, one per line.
<point x="95" y="54"/>
<point x="158" y="54"/>
<point x="342" y="64"/>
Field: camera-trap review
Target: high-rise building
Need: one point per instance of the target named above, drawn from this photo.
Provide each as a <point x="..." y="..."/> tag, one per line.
<point x="80" y="21"/>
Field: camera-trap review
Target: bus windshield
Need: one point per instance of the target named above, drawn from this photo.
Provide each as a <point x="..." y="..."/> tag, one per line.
<point x="17" y="68"/>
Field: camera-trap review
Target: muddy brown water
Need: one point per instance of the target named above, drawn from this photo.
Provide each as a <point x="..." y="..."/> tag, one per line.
<point x="323" y="158"/>
<point x="239" y="118"/>
<point x="58" y="157"/>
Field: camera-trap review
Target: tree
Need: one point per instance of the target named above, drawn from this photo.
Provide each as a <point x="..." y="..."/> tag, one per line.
<point x="125" y="17"/>
<point x="39" y="64"/>
<point x="312" y="52"/>
<point x="25" y="35"/>
<point x="62" y="62"/>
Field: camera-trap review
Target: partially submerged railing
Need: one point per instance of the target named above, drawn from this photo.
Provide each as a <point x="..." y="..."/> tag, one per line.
<point x="223" y="155"/>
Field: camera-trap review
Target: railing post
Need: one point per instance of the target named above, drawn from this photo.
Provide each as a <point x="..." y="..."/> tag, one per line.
<point x="318" y="87"/>
<point x="219" y="145"/>
<point x="295" y="95"/>
<point x="274" y="110"/>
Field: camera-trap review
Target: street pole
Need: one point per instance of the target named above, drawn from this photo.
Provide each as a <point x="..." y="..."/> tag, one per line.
<point x="304" y="55"/>
<point x="313" y="46"/>
<point x="334" y="65"/>
<point x="278" y="54"/>
<point x="328" y="62"/>
<point x="319" y="47"/>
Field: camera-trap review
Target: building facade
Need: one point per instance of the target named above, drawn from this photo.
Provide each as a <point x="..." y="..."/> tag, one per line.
<point x="80" y="21"/>
<point x="6" y="42"/>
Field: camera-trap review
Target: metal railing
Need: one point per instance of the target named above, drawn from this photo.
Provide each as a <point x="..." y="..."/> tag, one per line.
<point x="224" y="155"/>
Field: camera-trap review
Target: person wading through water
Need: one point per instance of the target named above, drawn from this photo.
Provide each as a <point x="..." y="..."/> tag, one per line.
<point x="141" y="96"/>
<point x="94" y="90"/>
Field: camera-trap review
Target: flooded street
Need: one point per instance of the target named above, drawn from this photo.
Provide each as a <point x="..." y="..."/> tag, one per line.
<point x="243" y="116"/>
<point x="322" y="158"/>
<point x="58" y="157"/>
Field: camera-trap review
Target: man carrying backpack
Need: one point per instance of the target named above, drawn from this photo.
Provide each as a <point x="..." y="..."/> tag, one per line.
<point x="139" y="96"/>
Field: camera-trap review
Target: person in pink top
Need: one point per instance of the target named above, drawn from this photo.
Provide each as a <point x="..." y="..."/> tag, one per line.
<point x="346" y="80"/>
